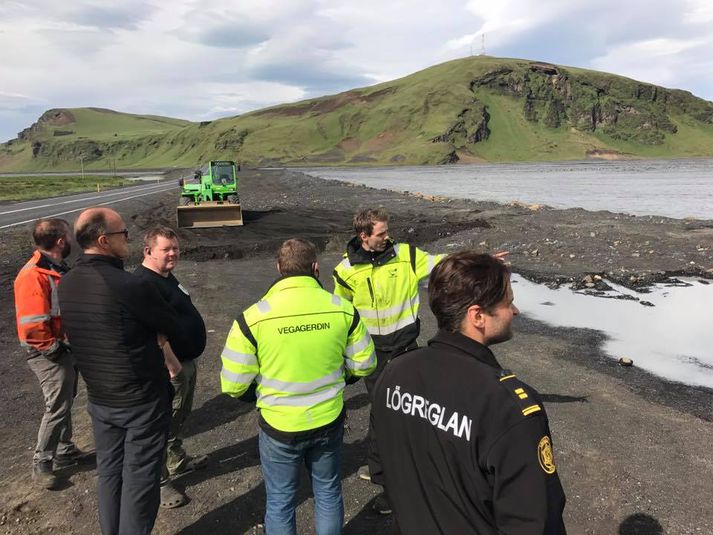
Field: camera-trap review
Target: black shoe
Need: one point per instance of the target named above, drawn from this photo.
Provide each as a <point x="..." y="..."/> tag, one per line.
<point x="382" y="505"/>
<point x="43" y="475"/>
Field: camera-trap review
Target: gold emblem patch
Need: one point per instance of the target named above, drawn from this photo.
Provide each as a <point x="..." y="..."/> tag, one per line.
<point x="545" y="456"/>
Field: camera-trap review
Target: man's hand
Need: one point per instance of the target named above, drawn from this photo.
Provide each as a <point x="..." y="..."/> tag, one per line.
<point x="501" y="255"/>
<point x="173" y="365"/>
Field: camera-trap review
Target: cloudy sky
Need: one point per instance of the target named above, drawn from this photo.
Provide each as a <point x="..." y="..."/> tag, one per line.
<point x="203" y="59"/>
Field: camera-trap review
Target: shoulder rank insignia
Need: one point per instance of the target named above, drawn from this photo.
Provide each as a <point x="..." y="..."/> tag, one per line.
<point x="517" y="389"/>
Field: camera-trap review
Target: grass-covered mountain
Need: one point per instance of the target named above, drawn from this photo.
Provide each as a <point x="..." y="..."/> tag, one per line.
<point x="471" y="109"/>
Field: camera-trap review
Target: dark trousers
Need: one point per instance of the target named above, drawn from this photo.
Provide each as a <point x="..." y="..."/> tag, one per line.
<point x="382" y="359"/>
<point x="130" y="444"/>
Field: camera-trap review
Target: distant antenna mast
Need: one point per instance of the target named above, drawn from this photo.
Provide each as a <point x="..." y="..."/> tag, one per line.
<point x="482" y="46"/>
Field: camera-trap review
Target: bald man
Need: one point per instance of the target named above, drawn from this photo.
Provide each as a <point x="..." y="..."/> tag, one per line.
<point x="115" y="323"/>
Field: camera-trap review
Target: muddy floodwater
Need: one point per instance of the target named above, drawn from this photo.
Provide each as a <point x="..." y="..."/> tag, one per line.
<point x="672" y="188"/>
<point x="665" y="331"/>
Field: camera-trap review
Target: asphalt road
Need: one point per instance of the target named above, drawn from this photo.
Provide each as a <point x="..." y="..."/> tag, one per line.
<point x="25" y="212"/>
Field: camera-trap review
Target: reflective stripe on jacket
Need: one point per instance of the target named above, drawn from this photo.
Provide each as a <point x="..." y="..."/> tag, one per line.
<point x="384" y="289"/>
<point x="298" y="343"/>
<point x="39" y="324"/>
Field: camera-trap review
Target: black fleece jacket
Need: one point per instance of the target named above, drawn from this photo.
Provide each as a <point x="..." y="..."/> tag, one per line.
<point x="112" y="320"/>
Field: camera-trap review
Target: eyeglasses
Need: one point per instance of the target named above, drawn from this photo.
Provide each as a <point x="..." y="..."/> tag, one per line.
<point x="125" y="232"/>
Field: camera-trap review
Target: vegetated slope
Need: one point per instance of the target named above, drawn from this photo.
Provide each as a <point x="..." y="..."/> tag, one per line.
<point x="63" y="137"/>
<point x="472" y="109"/>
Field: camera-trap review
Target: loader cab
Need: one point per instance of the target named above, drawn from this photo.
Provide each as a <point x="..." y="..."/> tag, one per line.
<point x="222" y="173"/>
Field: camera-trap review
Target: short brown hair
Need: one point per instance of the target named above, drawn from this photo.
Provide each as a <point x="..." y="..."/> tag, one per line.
<point x="296" y="257"/>
<point x="464" y="279"/>
<point x="46" y="232"/>
<point x="164" y="232"/>
<point x="364" y="220"/>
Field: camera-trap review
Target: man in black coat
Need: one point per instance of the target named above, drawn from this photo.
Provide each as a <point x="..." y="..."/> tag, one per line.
<point x="464" y="446"/>
<point x="116" y="324"/>
<point x="161" y="254"/>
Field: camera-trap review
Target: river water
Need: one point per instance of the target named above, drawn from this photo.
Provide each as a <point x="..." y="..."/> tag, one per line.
<point x="673" y="188"/>
<point x="673" y="339"/>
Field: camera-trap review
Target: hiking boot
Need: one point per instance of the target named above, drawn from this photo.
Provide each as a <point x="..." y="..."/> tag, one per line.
<point x="363" y="473"/>
<point x="43" y="475"/>
<point x="189" y="464"/>
<point x="382" y="505"/>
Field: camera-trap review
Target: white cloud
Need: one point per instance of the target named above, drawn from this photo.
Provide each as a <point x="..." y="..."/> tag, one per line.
<point x="197" y="59"/>
<point x="658" y="61"/>
<point x="504" y="21"/>
<point x="16" y="101"/>
<point x="698" y="12"/>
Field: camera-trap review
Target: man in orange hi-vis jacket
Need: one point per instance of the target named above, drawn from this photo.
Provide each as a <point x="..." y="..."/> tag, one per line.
<point x="39" y="327"/>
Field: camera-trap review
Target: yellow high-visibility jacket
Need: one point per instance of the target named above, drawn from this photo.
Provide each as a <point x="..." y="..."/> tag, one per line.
<point x="298" y="343"/>
<point x="383" y="287"/>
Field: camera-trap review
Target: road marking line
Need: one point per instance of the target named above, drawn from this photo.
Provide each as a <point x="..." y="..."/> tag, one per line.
<point x="142" y="188"/>
<point x="83" y="207"/>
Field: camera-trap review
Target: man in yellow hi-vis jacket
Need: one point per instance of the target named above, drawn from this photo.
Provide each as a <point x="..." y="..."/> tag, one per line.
<point x="381" y="279"/>
<point x="299" y="344"/>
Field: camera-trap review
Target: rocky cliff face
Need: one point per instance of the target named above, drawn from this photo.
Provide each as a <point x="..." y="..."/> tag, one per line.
<point x="619" y="108"/>
<point x="54" y="117"/>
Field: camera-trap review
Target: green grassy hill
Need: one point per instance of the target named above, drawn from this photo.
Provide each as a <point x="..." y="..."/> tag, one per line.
<point x="467" y="110"/>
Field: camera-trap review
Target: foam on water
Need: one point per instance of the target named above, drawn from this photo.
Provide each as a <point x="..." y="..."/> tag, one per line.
<point x="673" y="339"/>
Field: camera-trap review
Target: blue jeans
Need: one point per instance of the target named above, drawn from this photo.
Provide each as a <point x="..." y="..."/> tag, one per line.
<point x="281" y="463"/>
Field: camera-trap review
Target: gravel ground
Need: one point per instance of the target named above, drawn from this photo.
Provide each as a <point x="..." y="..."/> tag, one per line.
<point x="632" y="450"/>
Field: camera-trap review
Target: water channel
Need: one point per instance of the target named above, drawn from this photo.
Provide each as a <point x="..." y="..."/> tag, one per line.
<point x="672" y="188"/>
<point x="673" y="338"/>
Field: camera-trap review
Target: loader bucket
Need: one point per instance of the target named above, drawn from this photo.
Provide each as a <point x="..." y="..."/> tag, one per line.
<point x="209" y="214"/>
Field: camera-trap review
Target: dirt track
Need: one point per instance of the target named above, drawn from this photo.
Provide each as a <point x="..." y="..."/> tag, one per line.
<point x="626" y="443"/>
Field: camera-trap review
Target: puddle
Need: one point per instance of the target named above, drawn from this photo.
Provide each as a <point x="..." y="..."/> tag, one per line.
<point x="672" y="339"/>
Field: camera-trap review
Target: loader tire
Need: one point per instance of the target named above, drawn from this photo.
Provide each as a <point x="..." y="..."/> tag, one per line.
<point x="186" y="201"/>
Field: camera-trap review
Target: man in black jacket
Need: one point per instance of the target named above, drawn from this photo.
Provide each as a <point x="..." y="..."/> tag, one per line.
<point x="115" y="323"/>
<point x="464" y="446"/>
<point x="161" y="254"/>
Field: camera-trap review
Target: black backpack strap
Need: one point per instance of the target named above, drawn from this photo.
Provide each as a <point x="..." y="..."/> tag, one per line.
<point x="246" y="330"/>
<point x="412" y="256"/>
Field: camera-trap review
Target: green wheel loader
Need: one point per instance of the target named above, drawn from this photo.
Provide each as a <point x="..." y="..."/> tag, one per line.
<point x="210" y="198"/>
